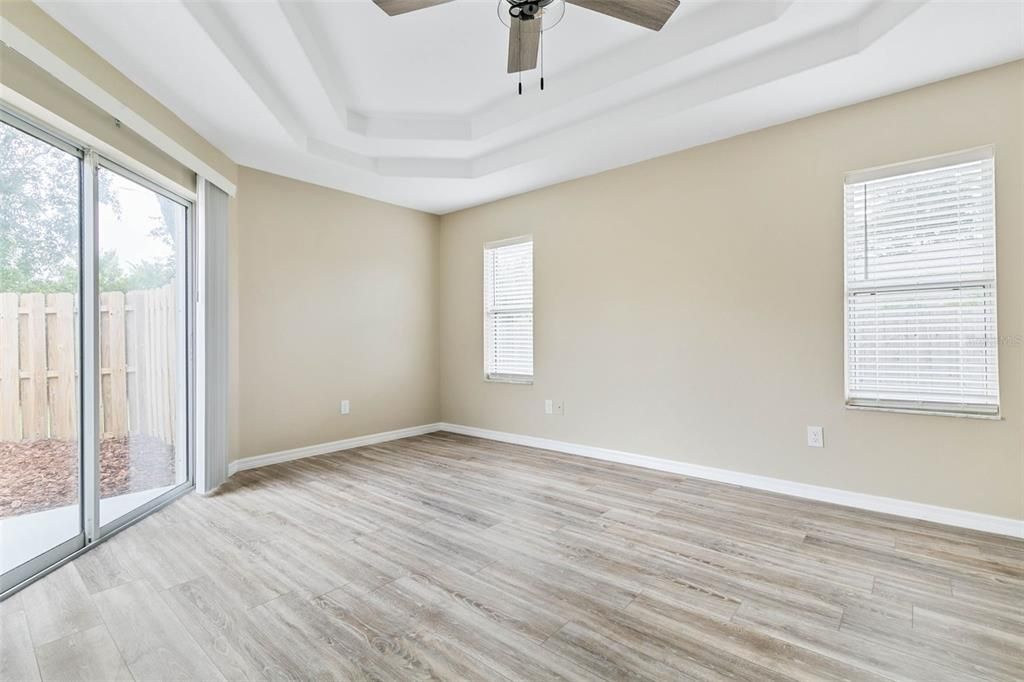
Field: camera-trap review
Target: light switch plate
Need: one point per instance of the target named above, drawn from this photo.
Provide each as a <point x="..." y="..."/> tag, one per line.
<point x="344" y="407"/>
<point x="548" y="407"/>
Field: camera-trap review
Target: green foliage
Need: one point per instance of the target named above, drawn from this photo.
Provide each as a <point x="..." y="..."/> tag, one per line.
<point x="38" y="214"/>
<point x="39" y="223"/>
<point x="147" y="274"/>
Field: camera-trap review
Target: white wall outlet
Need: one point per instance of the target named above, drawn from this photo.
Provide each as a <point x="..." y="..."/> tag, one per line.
<point x="815" y="437"/>
<point x="548" y="407"/>
<point x="344" y="407"/>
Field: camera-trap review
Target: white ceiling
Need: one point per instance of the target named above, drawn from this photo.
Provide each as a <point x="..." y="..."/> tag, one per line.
<point x="417" y="109"/>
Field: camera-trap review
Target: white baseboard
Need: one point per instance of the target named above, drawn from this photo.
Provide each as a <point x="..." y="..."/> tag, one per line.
<point x="888" y="505"/>
<point x="327" y="448"/>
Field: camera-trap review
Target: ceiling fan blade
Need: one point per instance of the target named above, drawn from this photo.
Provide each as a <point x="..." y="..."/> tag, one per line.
<point x="523" y="44"/>
<point x="650" y="14"/>
<point x="393" y="7"/>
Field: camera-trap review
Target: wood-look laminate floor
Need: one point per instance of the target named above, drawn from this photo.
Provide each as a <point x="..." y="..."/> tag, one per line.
<point x="446" y="557"/>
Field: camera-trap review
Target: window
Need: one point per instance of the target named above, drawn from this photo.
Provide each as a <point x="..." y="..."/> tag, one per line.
<point x="921" y="286"/>
<point x="508" y="310"/>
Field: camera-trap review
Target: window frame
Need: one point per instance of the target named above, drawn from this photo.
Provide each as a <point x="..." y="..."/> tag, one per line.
<point x="936" y="162"/>
<point x="498" y="378"/>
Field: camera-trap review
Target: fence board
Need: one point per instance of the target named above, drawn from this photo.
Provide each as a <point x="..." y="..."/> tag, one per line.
<point x="39" y="376"/>
<point x="10" y="369"/>
<point x="153" y="332"/>
<point x="61" y="355"/>
<point x="34" y="409"/>
<point x="169" y="347"/>
<point x="104" y="352"/>
<point x="116" y="369"/>
<point x="149" y="363"/>
<point x="134" y="311"/>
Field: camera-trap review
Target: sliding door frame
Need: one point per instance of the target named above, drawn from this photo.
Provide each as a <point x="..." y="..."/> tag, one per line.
<point x="91" y="532"/>
<point x="185" y="339"/>
<point x="41" y="564"/>
<point x="90" y="336"/>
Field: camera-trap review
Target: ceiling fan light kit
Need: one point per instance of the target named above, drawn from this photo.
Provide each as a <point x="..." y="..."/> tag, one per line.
<point x="548" y="12"/>
<point x="527" y="20"/>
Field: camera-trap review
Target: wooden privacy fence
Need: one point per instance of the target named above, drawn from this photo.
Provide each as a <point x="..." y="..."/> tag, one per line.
<point x="38" y="364"/>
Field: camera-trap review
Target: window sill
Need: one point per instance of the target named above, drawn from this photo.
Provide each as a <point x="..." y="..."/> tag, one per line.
<point x="526" y="381"/>
<point x="928" y="412"/>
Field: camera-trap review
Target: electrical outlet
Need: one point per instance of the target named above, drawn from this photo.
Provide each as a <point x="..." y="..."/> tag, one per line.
<point x="548" y="408"/>
<point x="560" y="408"/>
<point x="815" y="437"/>
<point x="344" y="407"/>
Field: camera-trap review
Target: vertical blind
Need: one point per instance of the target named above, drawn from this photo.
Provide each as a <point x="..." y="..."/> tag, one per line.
<point x="921" y="289"/>
<point x="508" y="310"/>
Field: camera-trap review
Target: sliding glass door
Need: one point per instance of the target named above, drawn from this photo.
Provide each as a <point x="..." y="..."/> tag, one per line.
<point x="40" y="291"/>
<point x="94" y="348"/>
<point x="142" y="342"/>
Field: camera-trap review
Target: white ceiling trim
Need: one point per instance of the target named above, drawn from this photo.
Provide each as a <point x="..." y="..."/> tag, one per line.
<point x="702" y="28"/>
<point x="210" y="17"/>
<point x="710" y="24"/>
<point x="289" y="87"/>
<point x="826" y="46"/>
<point x="582" y="101"/>
<point x="313" y="43"/>
<point x="817" y="50"/>
<point x="22" y="43"/>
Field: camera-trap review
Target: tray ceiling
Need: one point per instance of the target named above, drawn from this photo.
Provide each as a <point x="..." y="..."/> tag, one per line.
<point x="417" y="109"/>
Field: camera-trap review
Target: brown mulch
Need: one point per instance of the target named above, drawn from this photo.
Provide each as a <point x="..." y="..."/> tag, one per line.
<point x="43" y="474"/>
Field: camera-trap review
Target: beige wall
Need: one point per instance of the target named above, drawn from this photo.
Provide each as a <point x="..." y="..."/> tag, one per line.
<point x="690" y="307"/>
<point x="338" y="300"/>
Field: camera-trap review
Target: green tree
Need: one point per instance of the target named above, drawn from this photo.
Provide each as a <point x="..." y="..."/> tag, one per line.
<point x="39" y="223"/>
<point x="146" y="274"/>
<point x="38" y="214"/>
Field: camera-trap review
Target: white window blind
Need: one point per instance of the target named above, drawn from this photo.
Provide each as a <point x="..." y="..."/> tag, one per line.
<point x="508" y="310"/>
<point x="921" y="287"/>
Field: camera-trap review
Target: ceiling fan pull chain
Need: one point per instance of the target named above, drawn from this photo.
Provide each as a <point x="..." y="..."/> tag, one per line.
<point x="519" y="37"/>
<point x="541" y="60"/>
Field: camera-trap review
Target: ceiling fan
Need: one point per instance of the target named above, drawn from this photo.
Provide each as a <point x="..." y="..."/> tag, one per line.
<point x="526" y="19"/>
